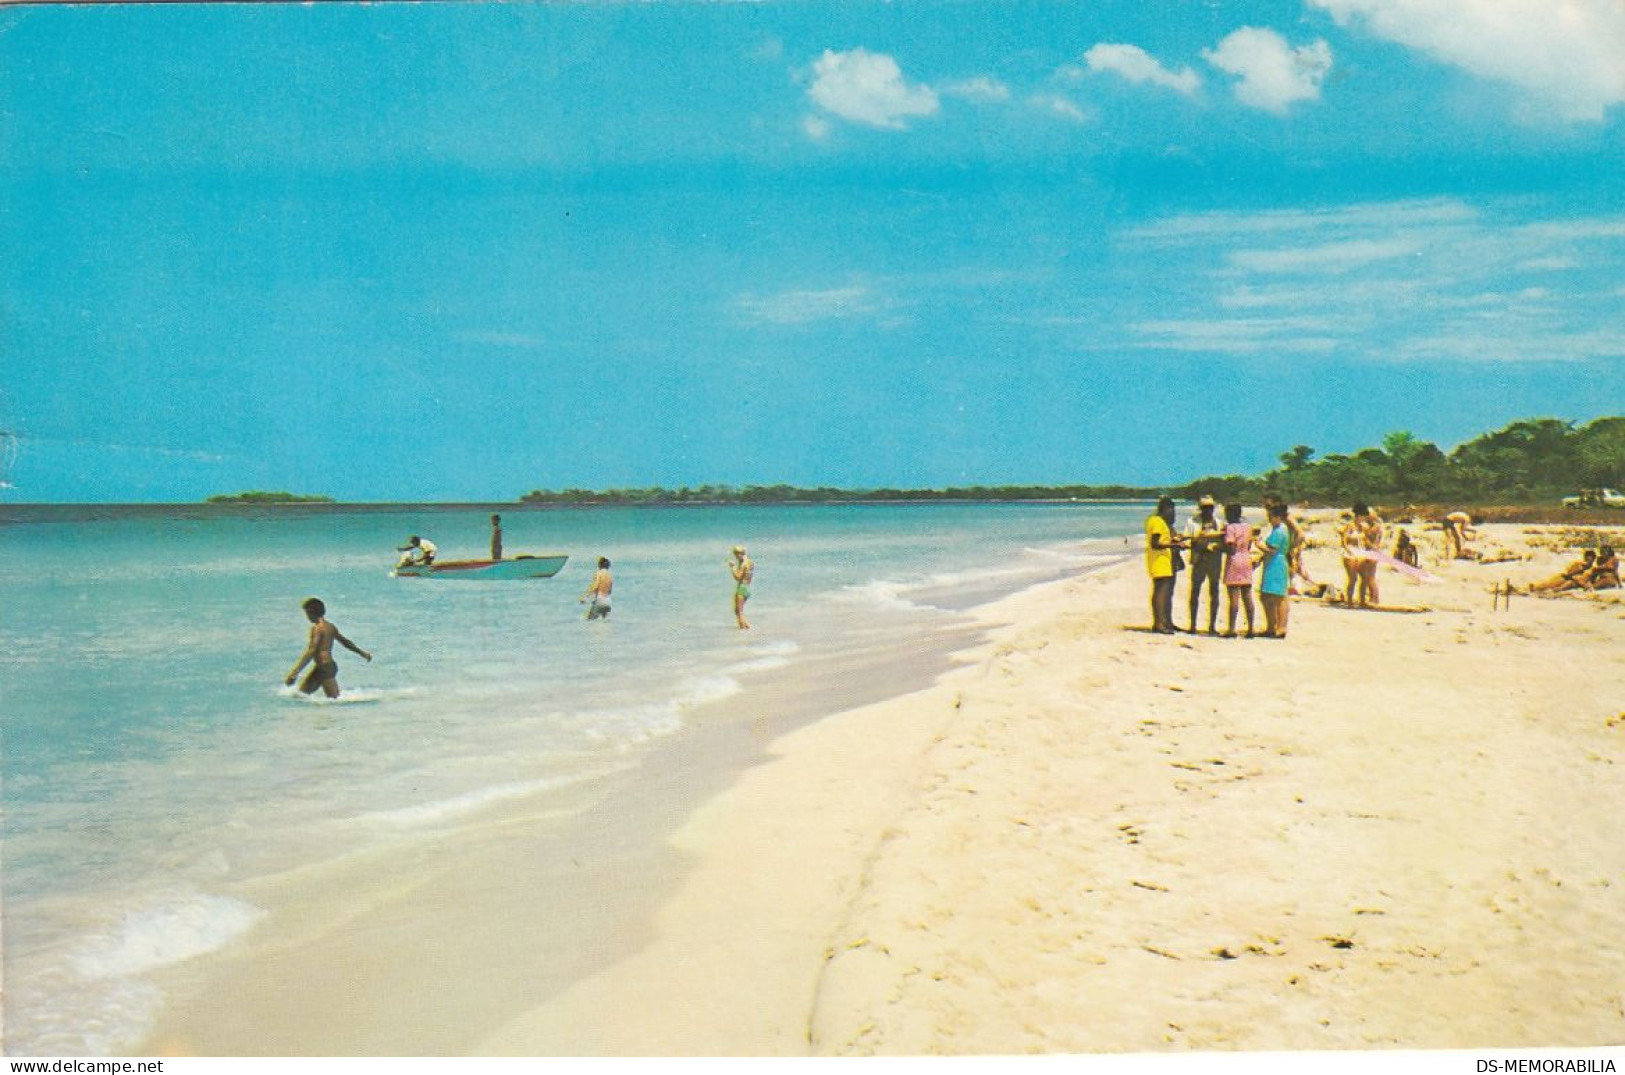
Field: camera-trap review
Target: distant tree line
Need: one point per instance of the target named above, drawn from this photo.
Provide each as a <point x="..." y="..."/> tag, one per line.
<point x="789" y="494"/>
<point x="1528" y="462"/>
<point x="256" y="497"/>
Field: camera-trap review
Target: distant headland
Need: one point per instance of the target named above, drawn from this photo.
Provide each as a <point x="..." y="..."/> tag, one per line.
<point x="256" y="497"/>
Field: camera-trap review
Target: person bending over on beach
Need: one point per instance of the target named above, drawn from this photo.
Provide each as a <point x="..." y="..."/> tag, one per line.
<point x="1238" y="566"/>
<point x="1458" y="527"/>
<point x="1205" y="535"/>
<point x="419" y="551"/>
<point x="1277" y="572"/>
<point x="1161" y="546"/>
<point x="1573" y="577"/>
<point x="496" y="537"/>
<point x="324" y="673"/>
<point x="602" y="584"/>
<point x="743" y="571"/>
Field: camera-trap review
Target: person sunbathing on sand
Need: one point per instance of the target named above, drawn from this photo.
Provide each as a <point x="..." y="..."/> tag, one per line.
<point x="1572" y="577"/>
<point x="1604" y="574"/>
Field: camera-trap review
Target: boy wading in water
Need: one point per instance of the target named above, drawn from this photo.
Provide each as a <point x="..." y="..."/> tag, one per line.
<point x="325" y="672"/>
<point x="603" y="584"/>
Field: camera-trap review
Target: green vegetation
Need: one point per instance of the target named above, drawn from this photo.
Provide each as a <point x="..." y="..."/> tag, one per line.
<point x="1537" y="460"/>
<point x="1533" y="461"/>
<point x="268" y="498"/>
<point x="789" y="494"/>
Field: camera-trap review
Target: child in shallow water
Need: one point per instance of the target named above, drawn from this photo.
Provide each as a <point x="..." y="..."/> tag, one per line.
<point x="1238" y="567"/>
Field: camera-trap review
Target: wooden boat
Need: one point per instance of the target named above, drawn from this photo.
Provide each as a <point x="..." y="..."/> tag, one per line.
<point x="518" y="567"/>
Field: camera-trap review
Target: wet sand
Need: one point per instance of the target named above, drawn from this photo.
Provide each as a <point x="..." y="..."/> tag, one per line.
<point x="1387" y="830"/>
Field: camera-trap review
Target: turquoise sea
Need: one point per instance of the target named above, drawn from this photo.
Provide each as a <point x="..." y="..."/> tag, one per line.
<point x="154" y="761"/>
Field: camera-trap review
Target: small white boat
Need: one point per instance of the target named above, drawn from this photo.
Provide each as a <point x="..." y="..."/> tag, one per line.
<point x="518" y="567"/>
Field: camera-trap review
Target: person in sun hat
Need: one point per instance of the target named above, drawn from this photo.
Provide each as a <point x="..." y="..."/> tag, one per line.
<point x="1205" y="535"/>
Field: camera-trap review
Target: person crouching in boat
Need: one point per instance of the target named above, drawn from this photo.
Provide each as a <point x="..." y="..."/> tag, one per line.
<point x="419" y="552"/>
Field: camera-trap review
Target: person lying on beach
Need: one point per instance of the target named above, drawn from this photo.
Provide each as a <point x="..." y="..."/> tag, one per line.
<point x="1604" y="573"/>
<point x="419" y="551"/>
<point x="602" y="584"/>
<point x="1573" y="577"/>
<point x="743" y="572"/>
<point x="324" y="673"/>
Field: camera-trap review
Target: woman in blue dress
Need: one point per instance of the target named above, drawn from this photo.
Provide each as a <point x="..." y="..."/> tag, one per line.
<point x="1277" y="573"/>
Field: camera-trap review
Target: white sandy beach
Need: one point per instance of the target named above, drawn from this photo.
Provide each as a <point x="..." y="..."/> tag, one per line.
<point x="1388" y="830"/>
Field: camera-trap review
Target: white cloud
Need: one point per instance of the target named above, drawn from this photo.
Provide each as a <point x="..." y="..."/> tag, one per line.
<point x="1242" y="336"/>
<point x="1141" y="68"/>
<point x="1272" y="74"/>
<point x="1332" y="258"/>
<point x="800" y="307"/>
<point x="1567" y="54"/>
<point x="1057" y="105"/>
<point x="817" y="127"/>
<point x="868" y="88"/>
<point x="982" y="88"/>
<point x="1421" y="281"/>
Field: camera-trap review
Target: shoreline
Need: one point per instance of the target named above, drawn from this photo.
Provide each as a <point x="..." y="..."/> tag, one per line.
<point x="520" y="924"/>
<point x="1081" y="838"/>
<point x="1062" y="848"/>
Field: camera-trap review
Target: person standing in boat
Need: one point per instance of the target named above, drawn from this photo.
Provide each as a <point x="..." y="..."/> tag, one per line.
<point x="496" y="537"/>
<point x="324" y="673"/>
<point x="419" y="551"/>
<point x="743" y="570"/>
<point x="603" y="583"/>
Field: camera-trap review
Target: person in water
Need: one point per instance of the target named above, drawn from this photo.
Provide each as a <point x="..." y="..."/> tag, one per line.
<point x="598" y="593"/>
<point x="324" y="672"/>
<point x="743" y="571"/>
<point x="419" y="551"/>
<point x="496" y="537"/>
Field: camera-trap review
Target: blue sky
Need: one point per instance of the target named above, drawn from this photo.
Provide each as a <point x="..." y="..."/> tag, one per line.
<point x="462" y="251"/>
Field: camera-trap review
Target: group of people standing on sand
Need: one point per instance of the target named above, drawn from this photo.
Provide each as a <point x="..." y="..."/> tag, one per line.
<point x="318" y="652"/>
<point x="1231" y="552"/>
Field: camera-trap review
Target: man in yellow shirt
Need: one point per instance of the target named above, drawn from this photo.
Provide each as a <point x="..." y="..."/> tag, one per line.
<point x="1160" y="546"/>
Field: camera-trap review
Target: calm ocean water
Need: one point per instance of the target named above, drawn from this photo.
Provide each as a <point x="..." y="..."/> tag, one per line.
<point x="153" y="759"/>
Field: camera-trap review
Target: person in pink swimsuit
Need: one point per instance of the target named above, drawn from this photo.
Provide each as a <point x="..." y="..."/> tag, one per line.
<point x="1238" y="566"/>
